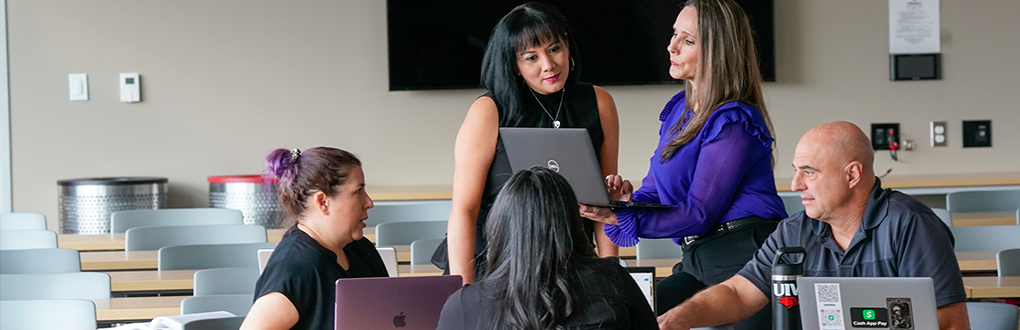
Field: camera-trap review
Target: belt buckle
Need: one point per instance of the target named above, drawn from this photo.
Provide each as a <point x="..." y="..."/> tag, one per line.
<point x="690" y="239"/>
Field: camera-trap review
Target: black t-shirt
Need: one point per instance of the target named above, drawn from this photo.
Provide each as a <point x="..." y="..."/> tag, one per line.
<point x="605" y="296"/>
<point x="306" y="273"/>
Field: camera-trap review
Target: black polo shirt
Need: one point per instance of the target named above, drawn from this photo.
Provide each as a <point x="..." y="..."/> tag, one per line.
<point x="898" y="237"/>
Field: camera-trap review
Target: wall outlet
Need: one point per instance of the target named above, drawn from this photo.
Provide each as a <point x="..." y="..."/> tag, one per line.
<point x="977" y="133"/>
<point x="885" y="136"/>
<point x="937" y="130"/>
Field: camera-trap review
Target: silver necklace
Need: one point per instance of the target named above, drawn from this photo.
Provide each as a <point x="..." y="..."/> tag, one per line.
<point x="556" y="121"/>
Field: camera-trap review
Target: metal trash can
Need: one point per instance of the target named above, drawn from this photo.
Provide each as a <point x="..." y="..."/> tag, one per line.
<point x="256" y="197"/>
<point x="86" y="204"/>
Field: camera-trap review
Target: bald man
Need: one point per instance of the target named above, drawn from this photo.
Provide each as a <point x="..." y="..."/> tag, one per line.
<point x="850" y="227"/>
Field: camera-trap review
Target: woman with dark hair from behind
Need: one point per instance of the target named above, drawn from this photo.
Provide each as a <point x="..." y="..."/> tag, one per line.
<point x="543" y="272"/>
<point x="530" y="70"/>
<point x="323" y="189"/>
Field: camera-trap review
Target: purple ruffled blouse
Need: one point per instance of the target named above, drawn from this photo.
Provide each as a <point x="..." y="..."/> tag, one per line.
<point x="723" y="174"/>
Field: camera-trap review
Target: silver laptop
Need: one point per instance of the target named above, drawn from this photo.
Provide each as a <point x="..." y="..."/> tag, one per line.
<point x="897" y="303"/>
<point x="409" y="303"/>
<point x="569" y="152"/>
<point x="645" y="278"/>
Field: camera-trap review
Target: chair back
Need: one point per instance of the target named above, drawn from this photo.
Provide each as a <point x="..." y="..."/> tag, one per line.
<point x="218" y="281"/>
<point x="944" y="215"/>
<point x="86" y="285"/>
<point x="121" y="221"/>
<point x="22" y="221"/>
<point x="404" y="211"/>
<point x="986" y="238"/>
<point x="993" y="316"/>
<point x="223" y="323"/>
<point x="39" y="261"/>
<point x="983" y="200"/>
<point x="423" y="249"/>
<point x="239" y="304"/>
<point x="403" y="233"/>
<point x="663" y="248"/>
<point x="203" y="256"/>
<point x="264" y="255"/>
<point x="1008" y="262"/>
<point x="792" y="204"/>
<point x="153" y="238"/>
<point x="48" y="314"/>
<point x="389" y="258"/>
<point x="27" y="239"/>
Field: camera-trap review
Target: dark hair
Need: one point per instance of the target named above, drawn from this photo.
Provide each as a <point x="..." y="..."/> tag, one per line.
<point x="727" y="70"/>
<point x="534" y="230"/>
<point x="525" y="26"/>
<point x="301" y="174"/>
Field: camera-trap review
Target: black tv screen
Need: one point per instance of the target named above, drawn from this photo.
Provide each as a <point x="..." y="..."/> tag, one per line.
<point x="439" y="44"/>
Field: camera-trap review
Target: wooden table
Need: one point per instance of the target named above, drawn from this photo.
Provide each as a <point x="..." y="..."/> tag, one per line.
<point x="152" y="281"/>
<point x="137" y="308"/>
<point x="938" y="183"/>
<point x="1002" y="218"/>
<point x="992" y="286"/>
<point x="115" y="242"/>
<point x="118" y="260"/>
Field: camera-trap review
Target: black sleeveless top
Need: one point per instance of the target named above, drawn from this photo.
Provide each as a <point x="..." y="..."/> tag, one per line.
<point x="580" y="110"/>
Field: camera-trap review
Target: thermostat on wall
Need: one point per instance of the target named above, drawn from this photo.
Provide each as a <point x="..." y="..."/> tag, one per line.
<point x="130" y="88"/>
<point x="915" y="66"/>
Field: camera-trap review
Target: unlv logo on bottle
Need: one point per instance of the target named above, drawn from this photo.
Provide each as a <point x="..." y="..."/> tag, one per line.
<point x="786" y="293"/>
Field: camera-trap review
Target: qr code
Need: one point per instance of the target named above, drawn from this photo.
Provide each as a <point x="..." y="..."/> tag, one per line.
<point x="831" y="317"/>
<point x="827" y="293"/>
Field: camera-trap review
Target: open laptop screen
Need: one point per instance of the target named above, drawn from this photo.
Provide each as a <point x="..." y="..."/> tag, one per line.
<point x="645" y="278"/>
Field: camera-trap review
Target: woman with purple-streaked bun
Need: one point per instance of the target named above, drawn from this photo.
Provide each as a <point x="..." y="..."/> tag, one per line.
<point x="323" y="191"/>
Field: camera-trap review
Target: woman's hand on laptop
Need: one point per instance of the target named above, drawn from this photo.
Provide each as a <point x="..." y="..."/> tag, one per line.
<point x="619" y="189"/>
<point x="597" y="213"/>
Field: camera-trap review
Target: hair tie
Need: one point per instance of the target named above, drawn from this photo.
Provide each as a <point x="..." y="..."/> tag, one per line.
<point x="294" y="154"/>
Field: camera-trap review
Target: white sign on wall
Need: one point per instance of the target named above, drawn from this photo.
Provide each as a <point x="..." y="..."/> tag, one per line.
<point x="914" y="27"/>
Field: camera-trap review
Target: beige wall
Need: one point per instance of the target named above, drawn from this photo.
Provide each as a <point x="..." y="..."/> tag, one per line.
<point x="224" y="82"/>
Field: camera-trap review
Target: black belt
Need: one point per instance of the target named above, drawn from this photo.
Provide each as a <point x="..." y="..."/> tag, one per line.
<point x="726" y="227"/>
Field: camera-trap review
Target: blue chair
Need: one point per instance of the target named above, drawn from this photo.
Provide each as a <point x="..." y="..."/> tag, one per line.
<point x="48" y="314"/>
<point x="86" y="285"/>
<point x="121" y="221"/>
<point x="389" y="258"/>
<point x="154" y="238"/>
<point x="27" y="239"/>
<point x="993" y="316"/>
<point x="384" y="212"/>
<point x="238" y="304"/>
<point x="22" y="221"/>
<point x="223" y="323"/>
<point x="203" y="256"/>
<point x="658" y="249"/>
<point x="983" y="200"/>
<point x="1008" y="262"/>
<point x="217" y="281"/>
<point x="403" y="233"/>
<point x="944" y="215"/>
<point x="986" y="238"/>
<point x="423" y="249"/>
<point x="39" y="261"/>
<point x="792" y="204"/>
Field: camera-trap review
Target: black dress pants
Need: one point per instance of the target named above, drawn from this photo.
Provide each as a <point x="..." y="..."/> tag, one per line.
<point x="711" y="260"/>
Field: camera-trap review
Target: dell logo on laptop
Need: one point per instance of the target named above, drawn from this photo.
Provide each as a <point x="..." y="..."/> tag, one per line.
<point x="553" y="165"/>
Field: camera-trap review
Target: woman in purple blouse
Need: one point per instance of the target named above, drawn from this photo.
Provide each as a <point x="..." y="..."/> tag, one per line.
<point x="713" y="163"/>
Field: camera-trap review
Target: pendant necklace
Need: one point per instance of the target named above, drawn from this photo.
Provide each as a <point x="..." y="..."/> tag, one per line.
<point x="556" y="122"/>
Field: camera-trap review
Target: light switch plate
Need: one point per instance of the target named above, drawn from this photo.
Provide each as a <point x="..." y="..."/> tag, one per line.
<point x="78" y="83"/>
<point x="937" y="130"/>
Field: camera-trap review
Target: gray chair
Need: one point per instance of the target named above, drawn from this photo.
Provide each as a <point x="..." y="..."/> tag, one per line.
<point x="121" y="221"/>
<point x="39" y="261"/>
<point x="239" y="304"/>
<point x="658" y="249"/>
<point x="993" y="316"/>
<point x="423" y="249"/>
<point x="86" y="285"/>
<point x="384" y="212"/>
<point x="48" y="314"/>
<point x="403" y="233"/>
<point x="944" y="215"/>
<point x="986" y="238"/>
<point x="389" y="258"/>
<point x="224" y="323"/>
<point x="1018" y="216"/>
<point x="217" y="281"/>
<point x="204" y="256"/>
<point x="153" y="238"/>
<point x="22" y="221"/>
<point x="792" y="204"/>
<point x="27" y="239"/>
<point x="983" y="200"/>
<point x="1008" y="262"/>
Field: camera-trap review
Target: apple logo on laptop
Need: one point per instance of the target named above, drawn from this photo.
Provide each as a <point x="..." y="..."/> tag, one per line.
<point x="553" y="165"/>
<point x="398" y="321"/>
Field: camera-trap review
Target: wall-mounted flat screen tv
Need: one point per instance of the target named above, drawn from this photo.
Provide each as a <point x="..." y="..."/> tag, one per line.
<point x="438" y="44"/>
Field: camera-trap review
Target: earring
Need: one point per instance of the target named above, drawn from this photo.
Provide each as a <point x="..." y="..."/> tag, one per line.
<point x="572" y="66"/>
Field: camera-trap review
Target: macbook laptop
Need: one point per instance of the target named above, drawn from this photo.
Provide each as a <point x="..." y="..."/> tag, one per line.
<point x="897" y="303"/>
<point x="569" y="152"/>
<point x="645" y="278"/>
<point x="410" y="303"/>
